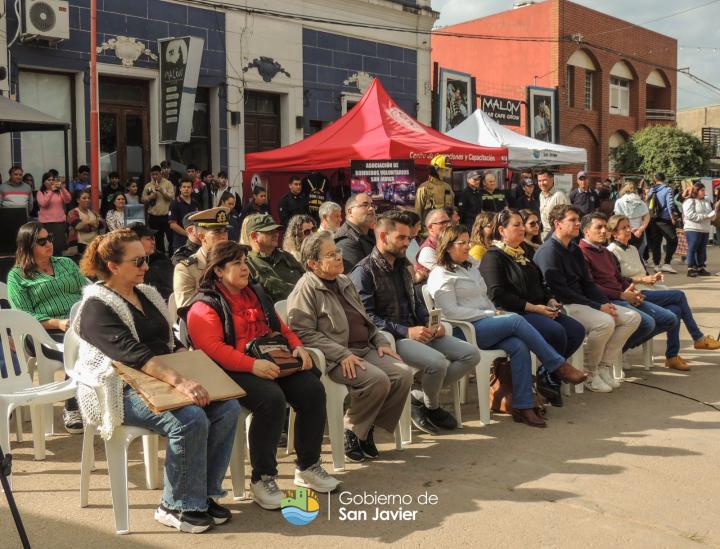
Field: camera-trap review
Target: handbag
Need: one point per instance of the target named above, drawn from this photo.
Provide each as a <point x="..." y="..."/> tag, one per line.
<point x="276" y="349"/>
<point x="501" y="388"/>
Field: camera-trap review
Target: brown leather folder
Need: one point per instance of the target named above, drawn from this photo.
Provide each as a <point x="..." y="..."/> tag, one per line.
<point x="196" y="365"/>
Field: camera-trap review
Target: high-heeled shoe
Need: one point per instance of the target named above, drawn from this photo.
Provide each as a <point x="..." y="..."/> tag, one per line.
<point x="528" y="417"/>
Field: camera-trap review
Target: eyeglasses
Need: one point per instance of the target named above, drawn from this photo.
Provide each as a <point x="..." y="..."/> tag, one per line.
<point x="440" y="222"/>
<point x="44" y="240"/>
<point x="337" y="254"/>
<point x="308" y="232"/>
<point x="366" y="205"/>
<point x="139" y="261"/>
<point x="461" y="243"/>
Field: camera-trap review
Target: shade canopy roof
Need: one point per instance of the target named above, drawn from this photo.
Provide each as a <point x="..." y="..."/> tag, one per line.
<point x="375" y="129"/>
<point x="523" y="151"/>
<point x="16" y="117"/>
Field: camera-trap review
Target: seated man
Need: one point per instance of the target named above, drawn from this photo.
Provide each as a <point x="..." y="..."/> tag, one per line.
<point x="160" y="269"/>
<point x="276" y="270"/>
<point x="330" y="215"/>
<point x="211" y="227"/>
<point x="435" y="222"/>
<point x="355" y="238"/>
<point x="621" y="291"/>
<point x="608" y="326"/>
<point x="386" y="289"/>
<point x="192" y="244"/>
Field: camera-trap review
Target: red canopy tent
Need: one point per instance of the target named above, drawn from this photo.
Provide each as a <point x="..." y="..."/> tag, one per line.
<point x="375" y="129"/>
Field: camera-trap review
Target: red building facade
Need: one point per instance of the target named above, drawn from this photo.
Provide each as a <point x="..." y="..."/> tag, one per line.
<point x="612" y="77"/>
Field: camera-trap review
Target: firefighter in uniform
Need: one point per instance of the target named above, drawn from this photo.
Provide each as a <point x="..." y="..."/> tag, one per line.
<point x="435" y="192"/>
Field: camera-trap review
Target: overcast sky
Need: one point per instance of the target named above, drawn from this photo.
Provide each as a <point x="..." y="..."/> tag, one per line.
<point x="698" y="27"/>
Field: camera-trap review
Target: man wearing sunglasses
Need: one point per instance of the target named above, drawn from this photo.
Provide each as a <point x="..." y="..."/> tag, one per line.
<point x="276" y="270"/>
<point x="211" y="227"/>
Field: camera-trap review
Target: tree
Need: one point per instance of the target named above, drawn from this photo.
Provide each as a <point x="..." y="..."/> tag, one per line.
<point x="662" y="149"/>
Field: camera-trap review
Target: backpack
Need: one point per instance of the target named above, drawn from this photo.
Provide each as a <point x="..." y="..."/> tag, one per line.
<point x="654" y="206"/>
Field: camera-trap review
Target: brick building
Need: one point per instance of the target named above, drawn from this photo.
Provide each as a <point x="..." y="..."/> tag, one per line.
<point x="611" y="78"/>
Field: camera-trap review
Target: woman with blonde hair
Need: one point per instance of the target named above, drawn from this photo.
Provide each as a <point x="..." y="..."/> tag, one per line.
<point x="298" y="229"/>
<point x="481" y="235"/>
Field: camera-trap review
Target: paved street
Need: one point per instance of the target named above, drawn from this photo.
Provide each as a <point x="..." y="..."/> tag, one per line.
<point x="636" y="468"/>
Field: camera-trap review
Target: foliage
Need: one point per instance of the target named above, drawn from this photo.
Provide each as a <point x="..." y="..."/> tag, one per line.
<point x="662" y="149"/>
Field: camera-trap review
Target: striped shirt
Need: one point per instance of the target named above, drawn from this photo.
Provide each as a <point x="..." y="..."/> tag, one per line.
<point x="45" y="296"/>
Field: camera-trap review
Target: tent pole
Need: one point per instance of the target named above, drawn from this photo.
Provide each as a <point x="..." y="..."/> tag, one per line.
<point x="94" y="116"/>
<point x="68" y="175"/>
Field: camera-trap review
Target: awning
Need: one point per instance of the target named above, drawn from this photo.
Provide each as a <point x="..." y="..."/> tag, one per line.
<point x="16" y="117"/>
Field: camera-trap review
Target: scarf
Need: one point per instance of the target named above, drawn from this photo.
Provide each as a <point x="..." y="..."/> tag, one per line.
<point x="518" y="254"/>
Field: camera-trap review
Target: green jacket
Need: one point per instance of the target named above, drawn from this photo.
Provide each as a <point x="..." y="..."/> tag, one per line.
<point x="277" y="273"/>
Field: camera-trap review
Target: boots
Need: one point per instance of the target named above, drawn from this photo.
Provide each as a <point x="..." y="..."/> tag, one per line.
<point x="528" y="417"/>
<point x="568" y="374"/>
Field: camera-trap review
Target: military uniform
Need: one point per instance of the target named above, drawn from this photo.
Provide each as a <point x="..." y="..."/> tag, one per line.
<point x="186" y="278"/>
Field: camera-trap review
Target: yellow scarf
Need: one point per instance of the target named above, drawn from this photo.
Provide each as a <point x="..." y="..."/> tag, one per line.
<point x="518" y="254"/>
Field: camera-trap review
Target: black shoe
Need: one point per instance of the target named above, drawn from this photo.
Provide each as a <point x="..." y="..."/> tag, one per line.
<point x="420" y="419"/>
<point x="703" y="272"/>
<point x="692" y="273"/>
<point x="552" y="394"/>
<point x="416" y="402"/>
<point x="442" y="418"/>
<point x="192" y="522"/>
<point x="352" y="447"/>
<point x="282" y="442"/>
<point x="219" y="514"/>
<point x="368" y="447"/>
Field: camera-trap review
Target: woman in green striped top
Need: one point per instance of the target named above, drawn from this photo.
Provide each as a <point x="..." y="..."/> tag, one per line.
<point x="46" y="287"/>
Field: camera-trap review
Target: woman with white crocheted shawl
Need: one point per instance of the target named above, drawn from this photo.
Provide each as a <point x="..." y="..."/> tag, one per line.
<point x="121" y="319"/>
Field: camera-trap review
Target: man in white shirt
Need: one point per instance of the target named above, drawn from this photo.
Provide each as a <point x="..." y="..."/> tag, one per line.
<point x="549" y="198"/>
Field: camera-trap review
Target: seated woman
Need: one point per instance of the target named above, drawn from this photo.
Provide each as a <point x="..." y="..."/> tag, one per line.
<point x="515" y="284"/>
<point x="325" y="310"/>
<point x="533" y="240"/>
<point x="124" y="320"/>
<point x="298" y="229"/>
<point x="632" y="267"/>
<point x="224" y="317"/>
<point x="481" y="236"/>
<point x="458" y="289"/>
<point x="46" y="287"/>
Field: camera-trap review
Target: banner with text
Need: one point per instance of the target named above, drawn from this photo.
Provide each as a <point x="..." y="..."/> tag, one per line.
<point x="391" y="183"/>
<point x="180" y="60"/>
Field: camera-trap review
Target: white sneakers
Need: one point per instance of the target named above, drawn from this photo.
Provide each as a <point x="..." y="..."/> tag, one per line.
<point x="596" y="383"/>
<point x="316" y="478"/>
<point x="668" y="269"/>
<point x="268" y="495"/>
<point x="608" y="378"/>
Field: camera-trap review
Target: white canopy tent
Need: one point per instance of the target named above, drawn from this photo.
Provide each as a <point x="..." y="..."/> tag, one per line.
<point x="523" y="151"/>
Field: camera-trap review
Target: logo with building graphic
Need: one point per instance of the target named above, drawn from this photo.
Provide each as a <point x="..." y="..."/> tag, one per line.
<point x="300" y="507"/>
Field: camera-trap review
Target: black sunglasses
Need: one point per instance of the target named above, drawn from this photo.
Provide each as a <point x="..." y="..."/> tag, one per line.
<point x="44" y="240"/>
<point x="139" y="261"/>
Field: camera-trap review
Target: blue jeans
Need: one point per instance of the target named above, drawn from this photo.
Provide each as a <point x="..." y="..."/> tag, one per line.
<point x="697" y="248"/>
<point x="514" y="335"/>
<point x="565" y="334"/>
<point x="654" y="320"/>
<point x="200" y="441"/>
<point x="676" y="302"/>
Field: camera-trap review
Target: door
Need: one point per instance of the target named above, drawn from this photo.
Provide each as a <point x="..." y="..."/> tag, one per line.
<point x="124" y="130"/>
<point x="262" y="122"/>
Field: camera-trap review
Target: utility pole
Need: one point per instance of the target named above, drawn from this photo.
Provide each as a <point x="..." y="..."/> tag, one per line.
<point x="94" y="116"/>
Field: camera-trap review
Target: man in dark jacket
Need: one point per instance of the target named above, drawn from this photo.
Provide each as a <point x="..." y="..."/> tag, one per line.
<point x="258" y="204"/>
<point x="192" y="244"/>
<point x="160" y="269"/>
<point x="583" y="197"/>
<point x="493" y="199"/>
<point x="608" y="326"/>
<point x="385" y="285"/>
<point x="354" y="237"/>
<point x="469" y="201"/>
<point x="527" y="195"/>
<point x="294" y="202"/>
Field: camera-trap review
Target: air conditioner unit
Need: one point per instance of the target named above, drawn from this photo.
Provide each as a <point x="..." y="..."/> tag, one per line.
<point x="46" y="20"/>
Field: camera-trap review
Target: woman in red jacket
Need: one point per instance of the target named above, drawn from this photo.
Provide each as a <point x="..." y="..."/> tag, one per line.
<point x="229" y="309"/>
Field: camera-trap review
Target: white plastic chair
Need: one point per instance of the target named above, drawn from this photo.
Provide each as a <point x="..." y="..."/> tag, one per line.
<point x="17" y="389"/>
<point x="647" y="353"/>
<point x="5" y="304"/>
<point x="482" y="369"/>
<point x="335" y="394"/>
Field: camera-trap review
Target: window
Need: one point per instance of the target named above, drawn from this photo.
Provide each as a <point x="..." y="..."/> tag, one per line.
<point x="619" y="96"/>
<point x="570" y="83"/>
<point x="197" y="150"/>
<point x="51" y="93"/>
<point x="589" y="90"/>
